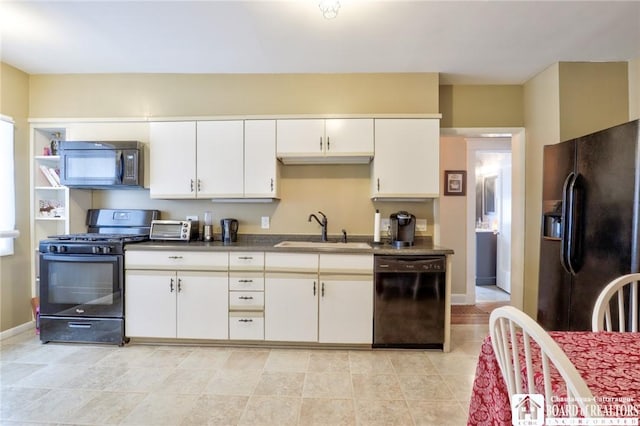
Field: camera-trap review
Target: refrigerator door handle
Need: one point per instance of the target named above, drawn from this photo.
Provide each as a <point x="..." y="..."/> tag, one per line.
<point x="573" y="243"/>
<point x="566" y="227"/>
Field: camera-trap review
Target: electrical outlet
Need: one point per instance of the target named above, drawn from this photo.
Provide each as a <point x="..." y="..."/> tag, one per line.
<point x="265" y="222"/>
<point x="192" y="217"/>
<point x="385" y="224"/>
<point x="421" y="225"/>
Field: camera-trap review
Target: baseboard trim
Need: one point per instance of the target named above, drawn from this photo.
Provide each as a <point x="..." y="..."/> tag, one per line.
<point x="31" y="325"/>
<point x="459" y="299"/>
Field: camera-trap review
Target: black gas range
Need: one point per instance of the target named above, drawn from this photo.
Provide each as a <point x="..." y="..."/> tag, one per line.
<point x="89" y="243"/>
<point x="82" y="277"/>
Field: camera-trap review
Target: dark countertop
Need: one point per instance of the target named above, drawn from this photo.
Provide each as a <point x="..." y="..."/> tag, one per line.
<point x="262" y="242"/>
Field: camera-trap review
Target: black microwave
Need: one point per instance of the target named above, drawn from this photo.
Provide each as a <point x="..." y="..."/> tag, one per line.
<point x="101" y="165"/>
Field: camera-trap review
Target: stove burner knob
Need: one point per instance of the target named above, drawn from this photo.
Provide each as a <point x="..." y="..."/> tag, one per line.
<point x="52" y="249"/>
<point x="62" y="249"/>
<point x="95" y="250"/>
<point x="106" y="250"/>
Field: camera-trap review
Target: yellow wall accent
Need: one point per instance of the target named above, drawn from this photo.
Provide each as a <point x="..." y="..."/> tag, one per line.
<point x="481" y="106"/>
<point x="542" y="115"/>
<point x="165" y="95"/>
<point x="634" y="89"/>
<point x="593" y="96"/>
<point x="15" y="286"/>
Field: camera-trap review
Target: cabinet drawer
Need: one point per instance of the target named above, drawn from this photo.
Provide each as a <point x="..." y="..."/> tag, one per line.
<point x="176" y="260"/>
<point x="346" y="263"/>
<point x="246" y="261"/>
<point x="246" y="326"/>
<point x="246" y="300"/>
<point x="246" y="281"/>
<point x="291" y="262"/>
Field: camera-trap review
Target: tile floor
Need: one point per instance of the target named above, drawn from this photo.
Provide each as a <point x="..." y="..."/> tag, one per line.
<point x="491" y="293"/>
<point x="76" y="384"/>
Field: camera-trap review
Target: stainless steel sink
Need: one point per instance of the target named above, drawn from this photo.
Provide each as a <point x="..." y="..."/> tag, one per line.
<point x="318" y="244"/>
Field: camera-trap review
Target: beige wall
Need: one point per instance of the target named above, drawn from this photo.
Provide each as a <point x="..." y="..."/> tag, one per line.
<point x="453" y="212"/>
<point x="542" y="118"/>
<point x="15" y="286"/>
<point x="339" y="191"/>
<point x="161" y="95"/>
<point x="634" y="89"/>
<point x="481" y="106"/>
<point x="593" y="96"/>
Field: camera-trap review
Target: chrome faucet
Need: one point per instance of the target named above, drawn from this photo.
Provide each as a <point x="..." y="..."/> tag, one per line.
<point x="322" y="223"/>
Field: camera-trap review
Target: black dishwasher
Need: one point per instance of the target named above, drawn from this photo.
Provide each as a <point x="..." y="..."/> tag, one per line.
<point x="409" y="302"/>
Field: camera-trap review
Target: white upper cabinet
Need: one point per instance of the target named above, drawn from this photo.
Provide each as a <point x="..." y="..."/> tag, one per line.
<point x="347" y="140"/>
<point x="213" y="159"/>
<point x="260" y="163"/>
<point x="172" y="159"/>
<point x="220" y="158"/>
<point x="407" y="158"/>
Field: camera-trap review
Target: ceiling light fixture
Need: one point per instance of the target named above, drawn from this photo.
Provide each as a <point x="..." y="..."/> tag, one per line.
<point x="329" y="8"/>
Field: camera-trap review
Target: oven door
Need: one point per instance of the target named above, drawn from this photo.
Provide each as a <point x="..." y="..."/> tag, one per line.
<point x="81" y="285"/>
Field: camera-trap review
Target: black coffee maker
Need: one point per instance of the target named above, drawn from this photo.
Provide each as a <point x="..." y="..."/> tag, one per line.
<point x="229" y="228"/>
<point x="403" y="229"/>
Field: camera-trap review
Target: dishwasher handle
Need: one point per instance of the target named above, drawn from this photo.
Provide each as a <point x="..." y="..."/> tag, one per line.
<point x="410" y="264"/>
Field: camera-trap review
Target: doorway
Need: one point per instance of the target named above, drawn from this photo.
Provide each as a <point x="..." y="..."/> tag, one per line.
<point x="492" y="170"/>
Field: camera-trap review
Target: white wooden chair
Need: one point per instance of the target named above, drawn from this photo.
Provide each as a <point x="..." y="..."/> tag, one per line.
<point x="511" y="334"/>
<point x="622" y="295"/>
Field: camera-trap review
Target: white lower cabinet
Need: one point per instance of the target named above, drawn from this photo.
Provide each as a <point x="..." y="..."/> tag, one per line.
<point x="246" y="325"/>
<point x="297" y="297"/>
<point x="346" y="309"/>
<point x="291" y="307"/>
<point x="332" y="306"/>
<point x="170" y="304"/>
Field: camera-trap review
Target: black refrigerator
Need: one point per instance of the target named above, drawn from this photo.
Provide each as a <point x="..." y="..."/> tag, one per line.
<point x="590" y="223"/>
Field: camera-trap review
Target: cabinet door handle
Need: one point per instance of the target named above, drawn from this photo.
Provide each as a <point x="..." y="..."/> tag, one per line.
<point x="191" y="185"/>
<point x="245" y="281"/>
<point x="272" y="184"/>
<point x="245" y="320"/>
<point x="328" y="144"/>
<point x="245" y="297"/>
<point x="320" y="143"/>
<point x="322" y="289"/>
<point x="179" y="285"/>
<point x="314" y="288"/>
<point x="378" y="184"/>
<point x="175" y="257"/>
<point x="171" y="286"/>
<point x="245" y="258"/>
<point x="198" y="185"/>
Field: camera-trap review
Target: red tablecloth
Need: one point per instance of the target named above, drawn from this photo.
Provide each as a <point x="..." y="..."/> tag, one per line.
<point x="608" y="362"/>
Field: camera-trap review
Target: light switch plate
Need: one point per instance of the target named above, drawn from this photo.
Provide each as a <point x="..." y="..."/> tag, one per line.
<point x="421" y="225"/>
<point x="265" y="222"/>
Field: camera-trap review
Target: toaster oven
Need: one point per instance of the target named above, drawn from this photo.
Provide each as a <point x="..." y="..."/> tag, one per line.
<point x="174" y="230"/>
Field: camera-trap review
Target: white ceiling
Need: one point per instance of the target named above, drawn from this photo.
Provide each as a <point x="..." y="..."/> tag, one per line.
<point x="468" y="42"/>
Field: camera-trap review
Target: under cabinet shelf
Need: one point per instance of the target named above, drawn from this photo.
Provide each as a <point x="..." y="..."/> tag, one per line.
<point x="44" y="218"/>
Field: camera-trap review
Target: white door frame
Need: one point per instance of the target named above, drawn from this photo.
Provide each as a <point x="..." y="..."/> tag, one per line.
<point x="517" y="208"/>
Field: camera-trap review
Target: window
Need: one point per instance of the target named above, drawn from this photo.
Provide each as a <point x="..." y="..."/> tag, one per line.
<point x="7" y="188"/>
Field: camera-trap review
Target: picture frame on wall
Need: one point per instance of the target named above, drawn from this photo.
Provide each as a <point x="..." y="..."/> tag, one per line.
<point x="455" y="182"/>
